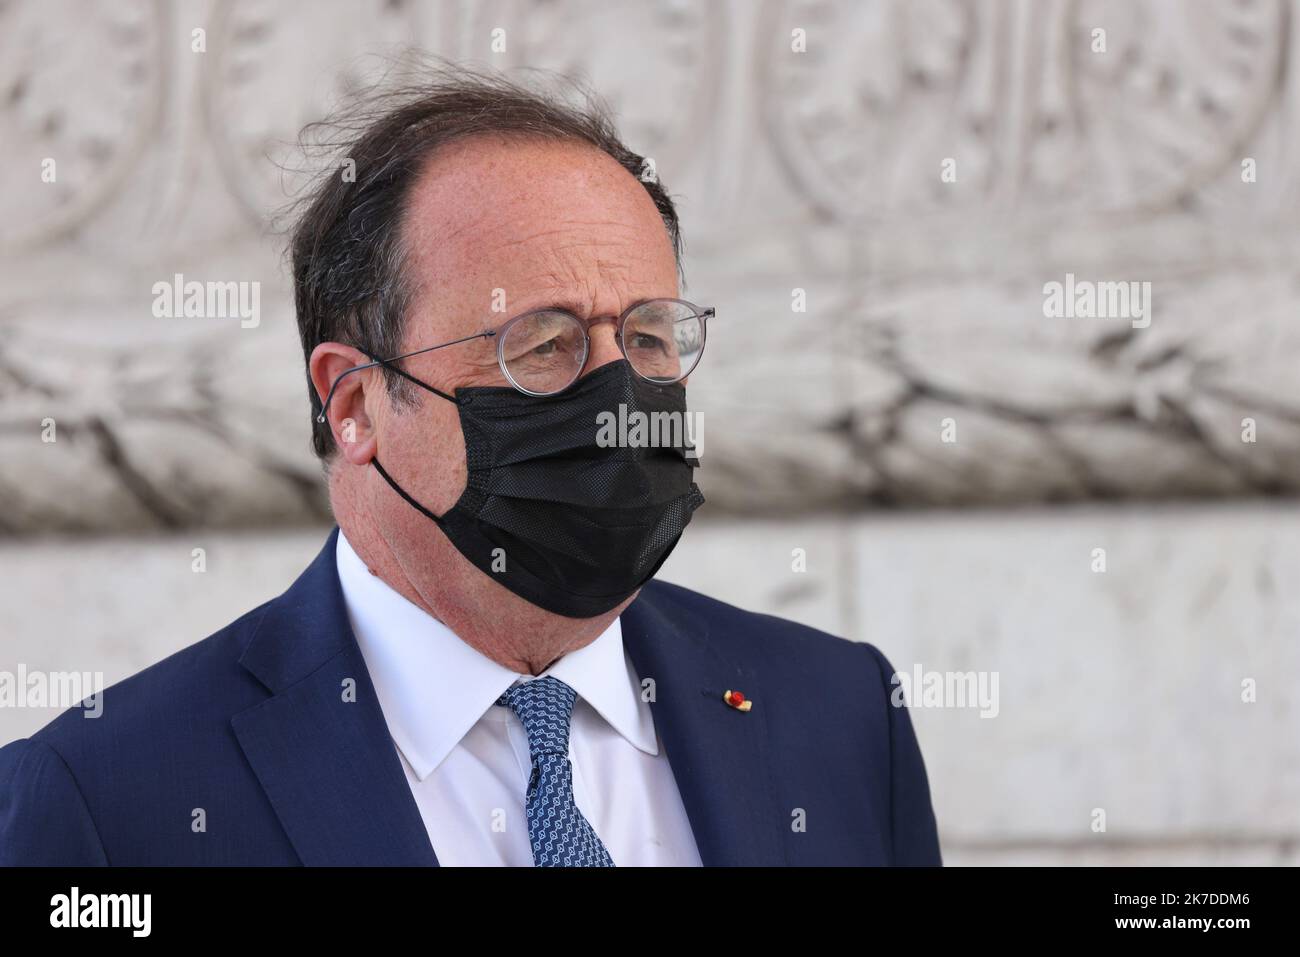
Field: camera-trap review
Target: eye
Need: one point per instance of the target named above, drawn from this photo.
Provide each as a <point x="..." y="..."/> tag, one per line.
<point x="540" y="348"/>
<point x="643" y="340"/>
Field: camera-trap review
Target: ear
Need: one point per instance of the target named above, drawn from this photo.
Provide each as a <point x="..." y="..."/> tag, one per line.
<point x="348" y="418"/>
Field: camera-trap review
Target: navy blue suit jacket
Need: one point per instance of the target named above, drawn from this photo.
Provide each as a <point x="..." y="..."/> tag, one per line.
<point x="251" y="725"/>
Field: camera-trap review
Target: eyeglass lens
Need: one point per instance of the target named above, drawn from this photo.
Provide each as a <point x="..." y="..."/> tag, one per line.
<point x="544" y="352"/>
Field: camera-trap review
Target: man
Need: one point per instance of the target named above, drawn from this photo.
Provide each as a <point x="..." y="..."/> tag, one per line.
<point x="477" y="669"/>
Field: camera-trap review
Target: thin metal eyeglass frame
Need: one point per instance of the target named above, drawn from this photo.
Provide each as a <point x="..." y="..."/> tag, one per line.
<point x="703" y="313"/>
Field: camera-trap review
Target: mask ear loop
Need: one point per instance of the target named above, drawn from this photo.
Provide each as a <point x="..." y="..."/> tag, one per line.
<point x="437" y="519"/>
<point x="374" y="361"/>
<point x="385" y="363"/>
<point x="410" y="378"/>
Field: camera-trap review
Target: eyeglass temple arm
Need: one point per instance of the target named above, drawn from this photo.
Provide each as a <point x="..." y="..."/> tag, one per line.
<point x="708" y="312"/>
<point x="329" y="397"/>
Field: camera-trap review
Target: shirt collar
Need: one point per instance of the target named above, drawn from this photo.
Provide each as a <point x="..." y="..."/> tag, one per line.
<point x="433" y="687"/>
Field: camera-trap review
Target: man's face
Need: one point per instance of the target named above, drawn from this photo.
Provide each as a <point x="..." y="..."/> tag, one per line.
<point x="540" y="223"/>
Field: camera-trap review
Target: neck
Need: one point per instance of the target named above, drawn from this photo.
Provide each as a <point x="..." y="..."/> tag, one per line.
<point x="512" y="632"/>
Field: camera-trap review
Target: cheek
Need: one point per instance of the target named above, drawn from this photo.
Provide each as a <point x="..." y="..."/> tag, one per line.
<point x="423" y="449"/>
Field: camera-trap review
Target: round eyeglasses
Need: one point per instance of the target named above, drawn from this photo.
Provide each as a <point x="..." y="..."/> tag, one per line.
<point x="544" y="351"/>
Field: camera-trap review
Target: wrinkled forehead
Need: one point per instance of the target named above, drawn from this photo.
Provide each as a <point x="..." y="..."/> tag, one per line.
<point x="535" y="222"/>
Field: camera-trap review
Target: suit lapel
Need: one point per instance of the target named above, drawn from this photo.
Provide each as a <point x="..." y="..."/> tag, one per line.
<point x="718" y="754"/>
<point x="332" y="774"/>
<point x="327" y="764"/>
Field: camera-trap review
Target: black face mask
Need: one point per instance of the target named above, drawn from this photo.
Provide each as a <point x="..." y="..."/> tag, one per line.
<point x="561" y="521"/>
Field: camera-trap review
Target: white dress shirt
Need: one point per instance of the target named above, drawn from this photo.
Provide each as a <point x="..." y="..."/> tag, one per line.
<point x="466" y="758"/>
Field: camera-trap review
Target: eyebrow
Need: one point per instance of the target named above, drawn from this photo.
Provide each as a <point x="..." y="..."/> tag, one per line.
<point x="574" y="306"/>
<point x="568" y="305"/>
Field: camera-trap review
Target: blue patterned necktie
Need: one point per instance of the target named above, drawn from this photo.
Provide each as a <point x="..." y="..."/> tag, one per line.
<point x="560" y="835"/>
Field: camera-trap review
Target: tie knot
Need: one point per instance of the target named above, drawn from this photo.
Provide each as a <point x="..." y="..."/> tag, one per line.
<point x="545" y="706"/>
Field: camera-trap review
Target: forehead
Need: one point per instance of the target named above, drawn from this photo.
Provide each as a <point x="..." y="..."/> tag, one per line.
<point x="545" y="221"/>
